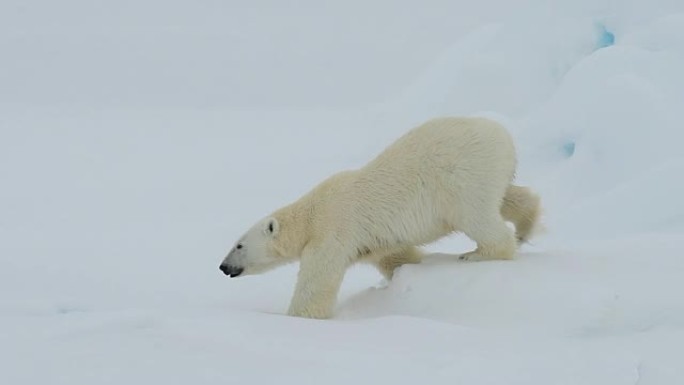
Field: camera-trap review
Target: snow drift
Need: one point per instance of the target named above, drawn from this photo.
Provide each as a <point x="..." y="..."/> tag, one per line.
<point x="138" y="139"/>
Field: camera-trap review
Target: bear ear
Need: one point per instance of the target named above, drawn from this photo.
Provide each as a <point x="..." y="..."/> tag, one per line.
<point x="271" y="227"/>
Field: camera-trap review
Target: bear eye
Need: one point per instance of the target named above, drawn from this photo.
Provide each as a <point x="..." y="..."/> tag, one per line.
<point x="270" y="227"/>
<point x="239" y="246"/>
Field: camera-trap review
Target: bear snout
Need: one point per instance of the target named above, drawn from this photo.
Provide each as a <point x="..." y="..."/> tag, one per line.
<point x="232" y="271"/>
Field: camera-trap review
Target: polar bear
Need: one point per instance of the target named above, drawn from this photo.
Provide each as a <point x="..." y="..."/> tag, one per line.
<point x="451" y="174"/>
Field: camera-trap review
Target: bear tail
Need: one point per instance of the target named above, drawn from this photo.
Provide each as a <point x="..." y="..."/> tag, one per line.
<point x="522" y="207"/>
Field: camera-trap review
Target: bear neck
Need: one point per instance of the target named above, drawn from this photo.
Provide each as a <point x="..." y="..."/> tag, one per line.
<point x="295" y="227"/>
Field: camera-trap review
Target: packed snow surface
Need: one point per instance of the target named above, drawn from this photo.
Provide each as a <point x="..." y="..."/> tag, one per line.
<point x="140" y="139"/>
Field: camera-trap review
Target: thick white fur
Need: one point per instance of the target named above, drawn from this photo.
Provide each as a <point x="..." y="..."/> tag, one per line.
<point x="447" y="175"/>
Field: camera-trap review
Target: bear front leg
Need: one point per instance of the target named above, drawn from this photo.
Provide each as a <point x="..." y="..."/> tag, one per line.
<point x="318" y="283"/>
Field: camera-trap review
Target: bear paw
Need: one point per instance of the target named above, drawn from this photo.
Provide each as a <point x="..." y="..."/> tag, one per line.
<point x="472" y="256"/>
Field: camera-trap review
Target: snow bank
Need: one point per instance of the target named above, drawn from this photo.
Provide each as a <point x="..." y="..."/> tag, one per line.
<point x="139" y="139"/>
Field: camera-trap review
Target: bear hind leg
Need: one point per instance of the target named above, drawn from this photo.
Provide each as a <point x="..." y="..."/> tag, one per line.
<point x="494" y="239"/>
<point x="521" y="207"/>
<point x="389" y="263"/>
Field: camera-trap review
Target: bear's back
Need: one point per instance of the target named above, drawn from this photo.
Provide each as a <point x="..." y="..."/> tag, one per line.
<point x="450" y="144"/>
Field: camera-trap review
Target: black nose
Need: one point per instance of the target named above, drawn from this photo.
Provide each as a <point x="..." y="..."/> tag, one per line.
<point x="232" y="271"/>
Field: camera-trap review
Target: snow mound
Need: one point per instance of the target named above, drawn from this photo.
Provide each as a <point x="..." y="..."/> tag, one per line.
<point x="139" y="139"/>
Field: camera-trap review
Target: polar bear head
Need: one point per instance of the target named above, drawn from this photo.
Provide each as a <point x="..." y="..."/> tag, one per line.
<point x="256" y="251"/>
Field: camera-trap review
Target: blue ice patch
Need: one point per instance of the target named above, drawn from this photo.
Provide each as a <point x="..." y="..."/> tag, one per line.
<point x="606" y="38"/>
<point x="569" y="149"/>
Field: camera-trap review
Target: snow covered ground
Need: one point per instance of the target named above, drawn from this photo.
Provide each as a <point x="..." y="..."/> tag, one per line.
<point x="138" y="139"/>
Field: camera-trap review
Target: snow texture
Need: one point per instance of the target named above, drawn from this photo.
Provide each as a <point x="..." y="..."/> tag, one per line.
<point x="139" y="139"/>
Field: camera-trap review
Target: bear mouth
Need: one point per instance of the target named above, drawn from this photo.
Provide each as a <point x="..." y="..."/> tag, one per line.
<point x="231" y="271"/>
